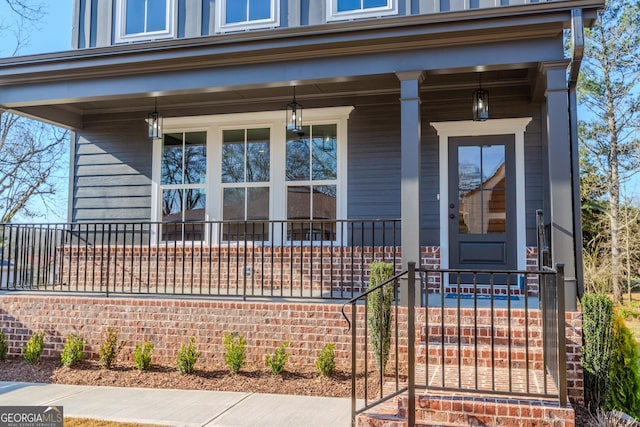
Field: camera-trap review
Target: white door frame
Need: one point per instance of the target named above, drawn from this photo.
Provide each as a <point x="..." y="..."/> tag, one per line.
<point x="514" y="127"/>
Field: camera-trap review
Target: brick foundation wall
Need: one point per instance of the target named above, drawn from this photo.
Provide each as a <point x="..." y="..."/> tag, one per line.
<point x="169" y="322"/>
<point x="236" y="270"/>
<point x="218" y="270"/>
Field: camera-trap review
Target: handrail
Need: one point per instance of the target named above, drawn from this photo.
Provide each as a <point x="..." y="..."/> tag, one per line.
<point x="366" y="293"/>
<point x="518" y="332"/>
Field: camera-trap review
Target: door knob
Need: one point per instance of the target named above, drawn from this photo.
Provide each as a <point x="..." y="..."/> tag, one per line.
<point x="452" y="216"/>
<point x="451" y="206"/>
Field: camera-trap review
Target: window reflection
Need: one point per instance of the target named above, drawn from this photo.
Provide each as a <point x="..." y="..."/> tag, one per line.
<point x="312" y="170"/>
<point x="183" y="178"/>
<point x="246" y="167"/>
<point x="482" y="189"/>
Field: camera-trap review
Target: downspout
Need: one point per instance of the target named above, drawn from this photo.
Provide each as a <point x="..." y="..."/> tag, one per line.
<point x="577" y="52"/>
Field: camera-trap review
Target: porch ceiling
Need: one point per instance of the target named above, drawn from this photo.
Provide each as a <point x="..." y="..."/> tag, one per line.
<point x="330" y="64"/>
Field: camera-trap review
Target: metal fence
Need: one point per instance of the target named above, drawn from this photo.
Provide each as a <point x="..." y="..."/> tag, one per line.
<point x="302" y="259"/>
<point x="482" y="335"/>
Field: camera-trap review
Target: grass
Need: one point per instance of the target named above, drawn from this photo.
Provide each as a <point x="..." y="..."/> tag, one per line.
<point x="633" y="321"/>
<point x="88" y="422"/>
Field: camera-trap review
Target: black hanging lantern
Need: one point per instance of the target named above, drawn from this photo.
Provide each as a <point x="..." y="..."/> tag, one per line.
<point x="294" y="115"/>
<point x="480" y="104"/>
<point x="154" y="121"/>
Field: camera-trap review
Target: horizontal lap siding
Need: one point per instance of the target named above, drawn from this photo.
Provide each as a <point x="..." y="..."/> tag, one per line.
<point x="112" y="174"/>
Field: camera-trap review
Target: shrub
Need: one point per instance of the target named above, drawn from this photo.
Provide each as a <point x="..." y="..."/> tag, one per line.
<point x="234" y="346"/>
<point x="4" y="346"/>
<point x="187" y="357"/>
<point x="625" y="371"/>
<point x="142" y="356"/>
<point x="110" y="348"/>
<point x="325" y="363"/>
<point x="72" y="352"/>
<point x="611" y="419"/>
<point x="276" y="362"/>
<point x="379" y="315"/>
<point x="597" y="325"/>
<point x="33" y="348"/>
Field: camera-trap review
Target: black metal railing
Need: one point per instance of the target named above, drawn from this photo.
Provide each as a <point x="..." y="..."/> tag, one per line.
<point x="300" y="259"/>
<point x="487" y="332"/>
<point x="386" y="386"/>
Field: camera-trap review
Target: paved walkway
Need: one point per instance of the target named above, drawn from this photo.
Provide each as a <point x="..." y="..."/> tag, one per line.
<point x="181" y="407"/>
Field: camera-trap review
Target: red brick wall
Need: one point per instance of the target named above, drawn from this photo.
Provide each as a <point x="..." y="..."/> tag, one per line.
<point x="169" y="322"/>
<point x="203" y="269"/>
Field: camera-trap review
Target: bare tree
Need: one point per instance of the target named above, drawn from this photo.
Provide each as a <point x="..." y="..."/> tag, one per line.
<point x="608" y="89"/>
<point x="30" y="151"/>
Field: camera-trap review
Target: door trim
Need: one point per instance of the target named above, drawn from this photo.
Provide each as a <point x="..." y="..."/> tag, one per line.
<point x="514" y="127"/>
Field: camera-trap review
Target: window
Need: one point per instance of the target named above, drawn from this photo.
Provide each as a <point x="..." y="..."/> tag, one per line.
<point x="246" y="170"/>
<point x="182" y="185"/>
<point x="355" y="9"/>
<point x="245" y="175"/>
<point x="237" y="15"/>
<point x="311" y="181"/>
<point x="144" y="20"/>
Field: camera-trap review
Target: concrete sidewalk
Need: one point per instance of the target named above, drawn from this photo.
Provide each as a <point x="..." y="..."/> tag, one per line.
<point x="180" y="407"/>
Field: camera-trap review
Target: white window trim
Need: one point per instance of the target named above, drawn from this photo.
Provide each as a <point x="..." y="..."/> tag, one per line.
<point x="514" y="127"/>
<point x="333" y="15"/>
<point x="121" y="24"/>
<point x="223" y="27"/>
<point x="275" y="120"/>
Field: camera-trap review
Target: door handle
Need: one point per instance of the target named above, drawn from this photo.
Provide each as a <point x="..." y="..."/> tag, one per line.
<point x="452" y="206"/>
<point x="452" y="216"/>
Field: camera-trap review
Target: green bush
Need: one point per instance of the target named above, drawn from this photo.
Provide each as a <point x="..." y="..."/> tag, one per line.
<point x="625" y="371"/>
<point x="379" y="314"/>
<point x="4" y="346"/>
<point x="110" y="348"/>
<point x="277" y="361"/>
<point x="72" y="352"/>
<point x="234" y="351"/>
<point x="597" y="326"/>
<point x="33" y="348"/>
<point x="142" y="356"/>
<point x="325" y="363"/>
<point x="187" y="357"/>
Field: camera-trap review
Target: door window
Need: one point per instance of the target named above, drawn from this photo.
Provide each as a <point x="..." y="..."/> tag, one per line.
<point x="481" y="189"/>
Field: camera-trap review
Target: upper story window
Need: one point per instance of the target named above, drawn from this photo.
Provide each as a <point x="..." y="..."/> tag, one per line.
<point x="138" y="20"/>
<point x="355" y="9"/>
<point x="237" y="15"/>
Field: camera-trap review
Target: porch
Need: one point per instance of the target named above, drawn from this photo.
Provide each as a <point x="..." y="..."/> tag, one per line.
<point x="321" y="260"/>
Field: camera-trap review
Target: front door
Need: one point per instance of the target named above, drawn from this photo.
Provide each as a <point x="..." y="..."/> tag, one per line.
<point x="481" y="209"/>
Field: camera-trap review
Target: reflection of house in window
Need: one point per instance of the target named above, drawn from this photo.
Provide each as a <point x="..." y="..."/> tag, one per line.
<point x="311" y="202"/>
<point x="483" y="209"/>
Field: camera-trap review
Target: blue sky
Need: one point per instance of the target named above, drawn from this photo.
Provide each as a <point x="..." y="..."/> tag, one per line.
<point x="52" y="35"/>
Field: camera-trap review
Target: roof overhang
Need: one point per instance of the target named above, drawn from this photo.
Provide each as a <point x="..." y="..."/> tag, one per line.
<point x="66" y="88"/>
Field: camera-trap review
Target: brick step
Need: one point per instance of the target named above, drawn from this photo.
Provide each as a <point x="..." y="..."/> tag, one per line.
<point x="515" y="341"/>
<point x="460" y="409"/>
<point x="453" y="410"/>
<point x="483" y="356"/>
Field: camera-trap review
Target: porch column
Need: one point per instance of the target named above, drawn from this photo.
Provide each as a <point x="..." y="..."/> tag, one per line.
<point x="410" y="166"/>
<point x="560" y="179"/>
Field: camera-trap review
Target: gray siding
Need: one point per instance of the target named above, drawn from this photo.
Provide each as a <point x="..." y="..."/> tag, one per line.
<point x="112" y="179"/>
<point x="94" y="25"/>
<point x="113" y="168"/>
